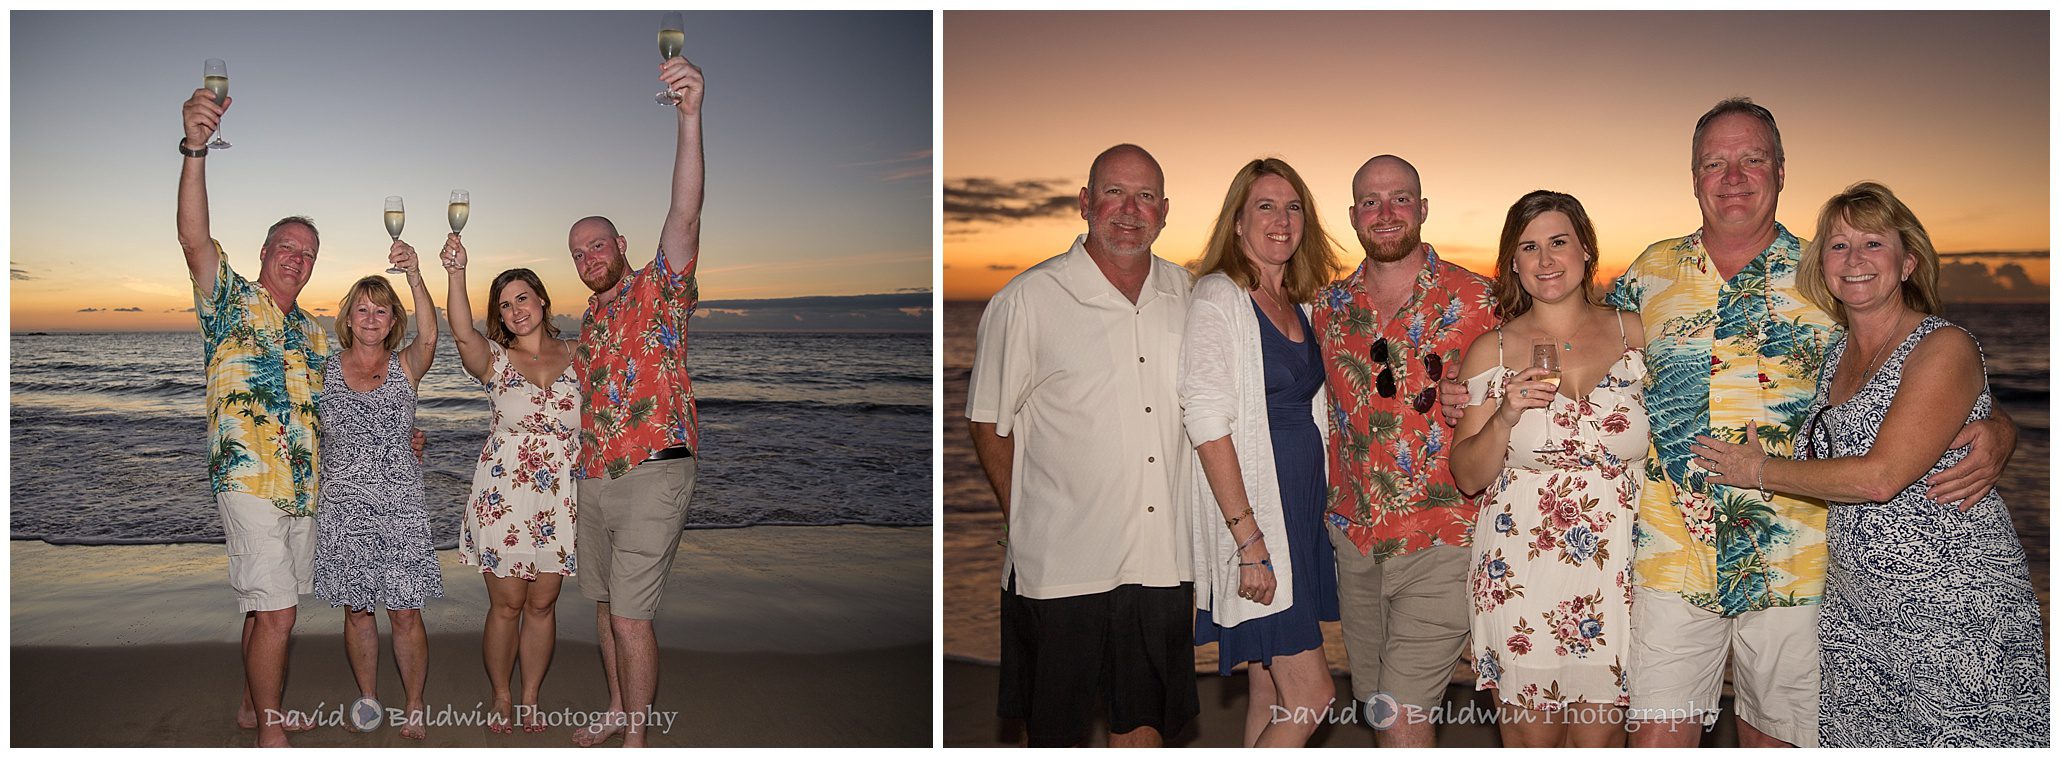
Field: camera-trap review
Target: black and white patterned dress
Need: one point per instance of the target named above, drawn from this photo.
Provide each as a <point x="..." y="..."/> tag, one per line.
<point x="372" y="543"/>
<point x="1930" y="627"/>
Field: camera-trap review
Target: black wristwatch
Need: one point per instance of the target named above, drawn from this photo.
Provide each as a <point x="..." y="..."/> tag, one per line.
<point x="201" y="153"/>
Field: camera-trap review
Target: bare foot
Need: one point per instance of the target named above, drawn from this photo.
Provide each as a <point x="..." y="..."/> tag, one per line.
<point x="532" y="722"/>
<point x="597" y="733"/>
<point x="498" y="721"/>
<point x="295" y="721"/>
<point x="414" y="728"/>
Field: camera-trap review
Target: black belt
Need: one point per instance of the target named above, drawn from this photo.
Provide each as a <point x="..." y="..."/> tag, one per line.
<point x="670" y="453"/>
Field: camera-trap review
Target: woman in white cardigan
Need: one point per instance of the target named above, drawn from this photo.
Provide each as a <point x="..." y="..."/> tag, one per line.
<point x="1251" y="381"/>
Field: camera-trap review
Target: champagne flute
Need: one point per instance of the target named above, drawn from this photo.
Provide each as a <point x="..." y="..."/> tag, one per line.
<point x="1545" y="355"/>
<point x="671" y="38"/>
<point x="459" y="212"/>
<point x="395" y="217"/>
<point x="214" y="74"/>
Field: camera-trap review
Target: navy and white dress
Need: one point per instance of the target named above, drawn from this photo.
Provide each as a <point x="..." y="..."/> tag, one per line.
<point x="1294" y="374"/>
<point x="1930" y="627"/>
<point x="372" y="544"/>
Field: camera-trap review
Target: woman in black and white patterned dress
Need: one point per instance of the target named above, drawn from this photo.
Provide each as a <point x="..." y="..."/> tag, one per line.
<point x="1930" y="628"/>
<point x="372" y="544"/>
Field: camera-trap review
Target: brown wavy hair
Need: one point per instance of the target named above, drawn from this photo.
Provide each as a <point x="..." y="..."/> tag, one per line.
<point x="497" y="330"/>
<point x="377" y="290"/>
<point x="1315" y="262"/>
<point x="1871" y="207"/>
<point x="1511" y="300"/>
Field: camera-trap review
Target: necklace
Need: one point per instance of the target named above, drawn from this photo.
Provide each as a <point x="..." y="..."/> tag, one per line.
<point x="1873" y="363"/>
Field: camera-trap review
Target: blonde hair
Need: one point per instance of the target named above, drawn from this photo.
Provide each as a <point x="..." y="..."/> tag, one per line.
<point x="377" y="290"/>
<point x="1315" y="261"/>
<point x="1871" y="207"/>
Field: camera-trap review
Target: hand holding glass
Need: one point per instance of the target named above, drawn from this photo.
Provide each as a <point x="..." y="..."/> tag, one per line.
<point x="671" y="39"/>
<point x="214" y="74"/>
<point x="395" y="217"/>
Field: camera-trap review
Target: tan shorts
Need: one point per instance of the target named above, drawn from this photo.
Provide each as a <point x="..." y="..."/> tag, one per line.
<point x="271" y="553"/>
<point x="1405" y="619"/>
<point x="629" y="529"/>
<point x="1677" y="665"/>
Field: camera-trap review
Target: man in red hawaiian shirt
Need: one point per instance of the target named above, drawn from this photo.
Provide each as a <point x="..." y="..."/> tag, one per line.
<point x="638" y="428"/>
<point x="1390" y="331"/>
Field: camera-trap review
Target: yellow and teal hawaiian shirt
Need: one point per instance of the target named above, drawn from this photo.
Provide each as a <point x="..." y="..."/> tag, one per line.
<point x="1722" y="355"/>
<point x="264" y="375"/>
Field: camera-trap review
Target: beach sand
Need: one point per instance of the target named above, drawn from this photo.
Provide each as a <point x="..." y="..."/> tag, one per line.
<point x="804" y="636"/>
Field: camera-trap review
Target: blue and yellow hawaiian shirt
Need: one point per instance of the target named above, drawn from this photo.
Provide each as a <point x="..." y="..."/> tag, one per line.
<point x="1722" y="355"/>
<point x="264" y="375"/>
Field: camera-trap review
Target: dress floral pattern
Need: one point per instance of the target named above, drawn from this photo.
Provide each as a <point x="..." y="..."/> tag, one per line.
<point x="1930" y="631"/>
<point x="519" y="522"/>
<point x="1391" y="490"/>
<point x="1551" y="576"/>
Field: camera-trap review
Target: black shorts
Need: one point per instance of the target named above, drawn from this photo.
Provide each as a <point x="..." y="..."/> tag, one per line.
<point x="1132" y="646"/>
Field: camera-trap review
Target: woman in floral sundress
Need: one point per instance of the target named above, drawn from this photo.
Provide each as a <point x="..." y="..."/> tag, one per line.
<point x="1552" y="547"/>
<point x="519" y="521"/>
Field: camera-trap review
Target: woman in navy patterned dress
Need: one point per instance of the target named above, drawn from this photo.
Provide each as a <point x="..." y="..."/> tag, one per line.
<point x="372" y="544"/>
<point x="1930" y="628"/>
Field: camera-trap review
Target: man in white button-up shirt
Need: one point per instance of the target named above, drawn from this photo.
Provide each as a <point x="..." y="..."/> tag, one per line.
<point x="1076" y="420"/>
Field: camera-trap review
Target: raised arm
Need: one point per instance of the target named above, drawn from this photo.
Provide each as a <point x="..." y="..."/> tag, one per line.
<point x="416" y="356"/>
<point x="1940" y="380"/>
<point x="681" y="238"/>
<point x="473" y="353"/>
<point x="200" y="116"/>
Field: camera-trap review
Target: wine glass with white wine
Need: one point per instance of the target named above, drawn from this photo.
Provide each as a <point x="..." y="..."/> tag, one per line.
<point x="1545" y="355"/>
<point x="396" y="216"/>
<point x="214" y="74"/>
<point x="672" y="37"/>
<point x="459" y="212"/>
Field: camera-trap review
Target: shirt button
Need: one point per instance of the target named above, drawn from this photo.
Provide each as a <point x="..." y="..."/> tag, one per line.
<point x="1150" y="459"/>
<point x="1148" y="409"/>
<point x="1150" y="509"/>
<point x="1140" y="359"/>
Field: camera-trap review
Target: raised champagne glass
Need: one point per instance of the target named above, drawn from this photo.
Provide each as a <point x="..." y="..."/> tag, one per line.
<point x="214" y="75"/>
<point x="396" y="216"/>
<point x="459" y="212"/>
<point x="1545" y="355"/>
<point x="672" y="37"/>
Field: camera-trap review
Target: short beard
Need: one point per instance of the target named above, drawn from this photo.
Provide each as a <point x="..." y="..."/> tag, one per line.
<point x="616" y="271"/>
<point x="1383" y="254"/>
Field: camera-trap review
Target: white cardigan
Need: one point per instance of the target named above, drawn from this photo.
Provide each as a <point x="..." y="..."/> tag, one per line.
<point x="1223" y="392"/>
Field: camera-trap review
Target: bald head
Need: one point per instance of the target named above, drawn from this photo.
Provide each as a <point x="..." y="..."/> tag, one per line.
<point x="1128" y="152"/>
<point x="1387" y="165"/>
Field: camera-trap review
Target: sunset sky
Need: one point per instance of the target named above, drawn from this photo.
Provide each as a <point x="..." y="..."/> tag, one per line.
<point x="1948" y="109"/>
<point x="818" y="136"/>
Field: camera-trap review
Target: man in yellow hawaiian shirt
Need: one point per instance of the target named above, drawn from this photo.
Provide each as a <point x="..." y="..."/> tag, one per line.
<point x="264" y="357"/>
<point x="1731" y="344"/>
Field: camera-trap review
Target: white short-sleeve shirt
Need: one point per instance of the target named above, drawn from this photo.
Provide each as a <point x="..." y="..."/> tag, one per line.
<point x="1084" y="383"/>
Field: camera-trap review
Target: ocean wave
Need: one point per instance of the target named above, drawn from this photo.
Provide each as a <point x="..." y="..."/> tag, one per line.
<point x="720" y="404"/>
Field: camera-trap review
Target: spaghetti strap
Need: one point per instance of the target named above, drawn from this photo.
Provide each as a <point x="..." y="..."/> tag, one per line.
<point x="1622" y="338"/>
<point x="1498" y="347"/>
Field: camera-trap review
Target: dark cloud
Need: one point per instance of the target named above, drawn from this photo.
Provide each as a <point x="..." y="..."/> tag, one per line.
<point x="16" y="272"/>
<point x="1002" y="267"/>
<point x="1964" y="281"/>
<point x="900" y="311"/>
<point x="89" y="310"/>
<point x="128" y="310"/>
<point x="983" y="200"/>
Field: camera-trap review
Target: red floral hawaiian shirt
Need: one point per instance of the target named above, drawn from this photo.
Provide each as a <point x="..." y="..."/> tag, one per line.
<point x="635" y="397"/>
<point x="1391" y="487"/>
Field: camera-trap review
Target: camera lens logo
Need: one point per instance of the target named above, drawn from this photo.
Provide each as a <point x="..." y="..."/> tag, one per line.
<point x="364" y="714"/>
<point x="1381" y="711"/>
